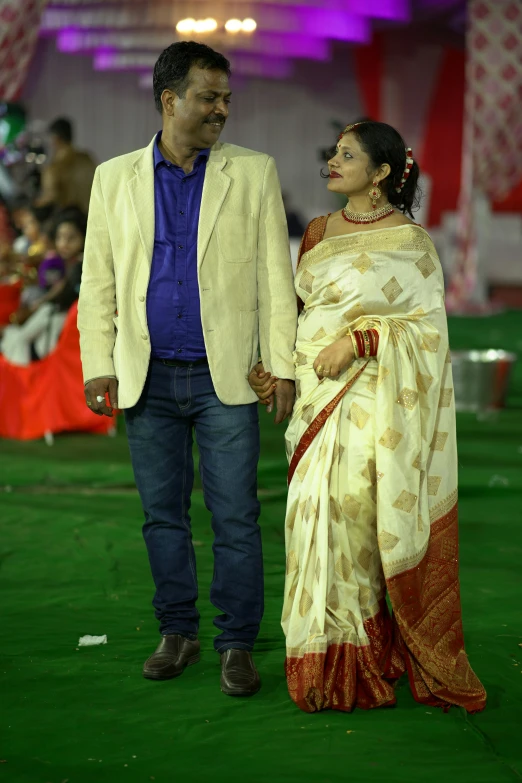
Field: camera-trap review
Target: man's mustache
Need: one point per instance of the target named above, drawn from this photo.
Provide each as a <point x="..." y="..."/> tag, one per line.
<point x="220" y="120"/>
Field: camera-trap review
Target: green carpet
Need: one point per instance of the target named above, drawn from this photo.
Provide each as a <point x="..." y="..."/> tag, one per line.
<point x="72" y="562"/>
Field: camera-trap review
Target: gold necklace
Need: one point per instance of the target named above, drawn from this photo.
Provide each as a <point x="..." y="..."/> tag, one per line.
<point x="367" y="217"/>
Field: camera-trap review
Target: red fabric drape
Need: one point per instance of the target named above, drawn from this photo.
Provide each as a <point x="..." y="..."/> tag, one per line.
<point x="47" y="396"/>
<point x="369" y="67"/>
<point x="441" y="155"/>
<point x="512" y="202"/>
<point x="9" y="300"/>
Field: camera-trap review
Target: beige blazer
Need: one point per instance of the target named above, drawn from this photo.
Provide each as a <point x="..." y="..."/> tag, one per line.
<point x="248" y="302"/>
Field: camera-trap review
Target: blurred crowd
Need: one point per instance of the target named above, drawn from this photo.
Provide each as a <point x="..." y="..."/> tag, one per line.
<point x="41" y="250"/>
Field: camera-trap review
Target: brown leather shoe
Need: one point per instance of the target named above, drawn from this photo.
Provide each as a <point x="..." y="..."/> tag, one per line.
<point x="172" y="655"/>
<point x="239" y="675"/>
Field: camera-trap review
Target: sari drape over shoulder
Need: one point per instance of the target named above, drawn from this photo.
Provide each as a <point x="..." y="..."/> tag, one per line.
<point x="372" y="505"/>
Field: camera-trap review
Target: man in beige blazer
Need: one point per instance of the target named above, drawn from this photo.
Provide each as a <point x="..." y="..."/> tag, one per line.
<point x="186" y="279"/>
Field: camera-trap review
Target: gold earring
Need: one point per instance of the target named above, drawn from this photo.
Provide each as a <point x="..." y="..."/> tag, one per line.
<point x="375" y="194"/>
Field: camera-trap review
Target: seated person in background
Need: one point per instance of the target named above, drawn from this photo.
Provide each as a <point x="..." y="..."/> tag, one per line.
<point x="19" y="209"/>
<point x="6" y="240"/>
<point x="67" y="180"/>
<point x="39" y="334"/>
<point x="34" y="223"/>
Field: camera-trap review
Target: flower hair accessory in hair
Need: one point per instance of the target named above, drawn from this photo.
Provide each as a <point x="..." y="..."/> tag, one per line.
<point x="407" y="169"/>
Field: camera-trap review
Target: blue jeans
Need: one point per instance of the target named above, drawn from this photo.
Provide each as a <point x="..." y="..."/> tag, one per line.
<point x="176" y="400"/>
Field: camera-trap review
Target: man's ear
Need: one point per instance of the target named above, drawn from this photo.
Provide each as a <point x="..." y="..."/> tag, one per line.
<point x="168" y="101"/>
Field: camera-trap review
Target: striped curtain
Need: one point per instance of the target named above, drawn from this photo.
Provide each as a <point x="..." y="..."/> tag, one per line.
<point x="19" y="26"/>
<point x="492" y="141"/>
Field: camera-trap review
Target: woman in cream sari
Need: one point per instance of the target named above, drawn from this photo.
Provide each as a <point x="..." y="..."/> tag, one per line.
<point x="372" y="500"/>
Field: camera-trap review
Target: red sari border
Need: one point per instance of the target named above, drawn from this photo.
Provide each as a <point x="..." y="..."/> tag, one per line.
<point x="348" y="676"/>
<point x="317" y="424"/>
<point x="427" y="612"/>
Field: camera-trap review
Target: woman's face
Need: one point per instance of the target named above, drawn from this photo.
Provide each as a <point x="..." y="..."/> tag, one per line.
<point x="349" y="168"/>
<point x="69" y="241"/>
<point x="30" y="227"/>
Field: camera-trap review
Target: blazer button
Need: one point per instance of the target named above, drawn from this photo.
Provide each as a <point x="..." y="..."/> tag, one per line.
<point x="144" y="336"/>
<point x="141" y="298"/>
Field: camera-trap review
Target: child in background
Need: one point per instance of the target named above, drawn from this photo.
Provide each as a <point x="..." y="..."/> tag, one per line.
<point x="33" y="222"/>
<point x="39" y="334"/>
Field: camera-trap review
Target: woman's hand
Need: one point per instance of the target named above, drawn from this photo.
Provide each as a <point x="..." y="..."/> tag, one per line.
<point x="335" y="358"/>
<point x="264" y="385"/>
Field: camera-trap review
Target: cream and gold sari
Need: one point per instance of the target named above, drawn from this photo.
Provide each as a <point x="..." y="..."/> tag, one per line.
<point x="372" y="505"/>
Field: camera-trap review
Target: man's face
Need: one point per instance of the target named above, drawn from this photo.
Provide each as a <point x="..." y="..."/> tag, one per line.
<point x="200" y="116"/>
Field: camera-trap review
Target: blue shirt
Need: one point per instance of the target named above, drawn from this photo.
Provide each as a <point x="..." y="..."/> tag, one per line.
<point x="173" y="306"/>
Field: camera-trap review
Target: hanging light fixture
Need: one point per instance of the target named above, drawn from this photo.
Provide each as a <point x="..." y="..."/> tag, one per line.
<point x="233" y="25"/>
<point x="237" y="26"/>
<point x="205" y="26"/>
<point x="186" y="26"/>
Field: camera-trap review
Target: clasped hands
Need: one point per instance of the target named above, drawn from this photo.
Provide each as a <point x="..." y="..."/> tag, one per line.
<point x="329" y="363"/>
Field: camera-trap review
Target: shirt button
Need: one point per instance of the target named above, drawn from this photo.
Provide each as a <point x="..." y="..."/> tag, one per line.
<point x="141" y="298"/>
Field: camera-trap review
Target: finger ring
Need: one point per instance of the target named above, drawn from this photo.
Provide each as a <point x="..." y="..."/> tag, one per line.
<point x="320" y="368"/>
<point x="99" y="398"/>
<point x="89" y="404"/>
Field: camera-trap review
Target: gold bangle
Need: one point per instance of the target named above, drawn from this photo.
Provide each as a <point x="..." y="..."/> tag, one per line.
<point x="351" y="335"/>
<point x="367" y="346"/>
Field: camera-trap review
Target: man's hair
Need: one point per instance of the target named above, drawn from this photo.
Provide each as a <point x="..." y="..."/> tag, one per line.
<point x="62" y="128"/>
<point x="172" y="68"/>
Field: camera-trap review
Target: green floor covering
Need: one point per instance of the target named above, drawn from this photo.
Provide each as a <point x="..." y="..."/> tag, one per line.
<point x="72" y="562"/>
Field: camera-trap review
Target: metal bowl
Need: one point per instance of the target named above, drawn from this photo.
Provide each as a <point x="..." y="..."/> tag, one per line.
<point x="481" y="378"/>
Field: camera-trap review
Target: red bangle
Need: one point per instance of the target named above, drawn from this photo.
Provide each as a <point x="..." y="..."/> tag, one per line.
<point x="360" y="343"/>
<point x="374" y="341"/>
<point x="373" y="336"/>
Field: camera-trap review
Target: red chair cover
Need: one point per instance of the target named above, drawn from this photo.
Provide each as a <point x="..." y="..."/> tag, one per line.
<point x="47" y="396"/>
<point x="9" y="300"/>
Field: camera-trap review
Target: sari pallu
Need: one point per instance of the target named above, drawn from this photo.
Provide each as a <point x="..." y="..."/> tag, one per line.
<point x="372" y="504"/>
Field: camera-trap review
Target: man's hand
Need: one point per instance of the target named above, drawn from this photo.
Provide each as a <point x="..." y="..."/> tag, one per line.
<point x="285" y="396"/>
<point x="99" y="388"/>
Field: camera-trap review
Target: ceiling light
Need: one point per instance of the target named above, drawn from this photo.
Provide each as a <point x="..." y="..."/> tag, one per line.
<point x="186" y="26"/>
<point x="233" y="26"/>
<point x="249" y="25"/>
<point x="205" y="26"/>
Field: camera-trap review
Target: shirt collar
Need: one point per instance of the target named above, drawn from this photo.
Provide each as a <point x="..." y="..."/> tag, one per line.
<point x="159" y="158"/>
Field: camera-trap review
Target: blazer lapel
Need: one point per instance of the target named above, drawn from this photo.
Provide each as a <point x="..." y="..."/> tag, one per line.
<point x="141" y="192"/>
<point x="215" y="189"/>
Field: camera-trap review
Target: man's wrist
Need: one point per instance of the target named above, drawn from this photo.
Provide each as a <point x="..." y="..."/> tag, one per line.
<point x="97" y="378"/>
